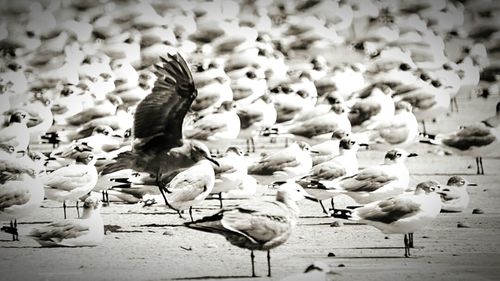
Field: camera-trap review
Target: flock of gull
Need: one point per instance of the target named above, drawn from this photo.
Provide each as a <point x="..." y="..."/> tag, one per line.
<point x="134" y="100"/>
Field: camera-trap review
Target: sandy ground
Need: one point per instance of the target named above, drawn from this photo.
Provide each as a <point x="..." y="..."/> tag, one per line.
<point x="152" y="244"/>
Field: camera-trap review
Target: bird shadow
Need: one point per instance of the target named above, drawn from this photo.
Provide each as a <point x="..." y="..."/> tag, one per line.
<point x="379" y="257"/>
<point x="34" y="222"/>
<point x="160" y="225"/>
<point x="18" y="247"/>
<point x="379" y="248"/>
<point x="211" y="277"/>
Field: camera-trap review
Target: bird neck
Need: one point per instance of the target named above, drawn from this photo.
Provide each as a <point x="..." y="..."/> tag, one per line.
<point x="88" y="212"/>
<point x="291" y="204"/>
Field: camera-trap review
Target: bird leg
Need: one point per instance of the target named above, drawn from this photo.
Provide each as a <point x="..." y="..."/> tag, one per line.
<point x="322" y="207"/>
<point x="64" y="208"/>
<point x="407" y="247"/>
<point x="16" y="234"/>
<point x="454" y="101"/>
<point x="220" y="199"/>
<point x="332" y="203"/>
<point x="481" y="164"/>
<point x="252" y="258"/>
<point x="191" y="213"/>
<point x="268" y="263"/>
<point x="410" y="240"/>
<point x="77" y="209"/>
<point x="423" y="127"/>
<point x="252" y="141"/>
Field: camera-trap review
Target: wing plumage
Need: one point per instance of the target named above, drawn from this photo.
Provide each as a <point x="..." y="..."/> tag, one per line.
<point x="159" y="116"/>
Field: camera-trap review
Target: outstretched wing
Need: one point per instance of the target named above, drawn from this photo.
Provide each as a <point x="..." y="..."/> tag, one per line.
<point x="159" y="116"/>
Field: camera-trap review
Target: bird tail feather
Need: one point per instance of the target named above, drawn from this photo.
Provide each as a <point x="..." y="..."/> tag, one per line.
<point x="121" y="162"/>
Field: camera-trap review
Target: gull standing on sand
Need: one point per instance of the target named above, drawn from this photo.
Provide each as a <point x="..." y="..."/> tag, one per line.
<point x="71" y="182"/>
<point x="372" y="183"/>
<point x="87" y="231"/>
<point x="231" y="171"/>
<point x="476" y="140"/>
<point x="19" y="197"/>
<point x="454" y="196"/>
<point x="401" y="130"/>
<point x="343" y="165"/>
<point x="16" y="133"/>
<point x="326" y="150"/>
<point x="404" y="214"/>
<point x="257" y="225"/>
<point x="293" y="161"/>
<point x="190" y="187"/>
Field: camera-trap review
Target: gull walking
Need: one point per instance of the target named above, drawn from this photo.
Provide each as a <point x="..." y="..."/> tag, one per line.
<point x="372" y="183"/>
<point x="404" y="214"/>
<point x="189" y="187"/>
<point x="257" y="225"/>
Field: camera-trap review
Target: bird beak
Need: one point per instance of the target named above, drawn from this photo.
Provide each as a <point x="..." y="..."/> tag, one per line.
<point x="117" y="136"/>
<point x="364" y="144"/>
<point x="309" y="197"/>
<point x="212" y="160"/>
<point x="471" y="184"/>
<point x="412" y="154"/>
<point x="314" y="152"/>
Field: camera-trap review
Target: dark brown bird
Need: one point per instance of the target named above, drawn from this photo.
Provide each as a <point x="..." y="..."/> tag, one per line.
<point x="159" y="148"/>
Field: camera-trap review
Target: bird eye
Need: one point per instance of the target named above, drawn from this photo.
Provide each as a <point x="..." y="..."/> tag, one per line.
<point x="302" y="94"/>
<point x="436" y="83"/>
<point x="359" y="46"/>
<point x="275" y="90"/>
<point x="90" y="157"/>
<point x="404" y="66"/>
<point x="251" y="74"/>
<point x="398" y="154"/>
<point x="424" y="77"/>
<point x="11" y="149"/>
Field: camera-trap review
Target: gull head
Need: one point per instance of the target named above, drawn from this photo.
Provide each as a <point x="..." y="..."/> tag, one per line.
<point x="304" y="146"/>
<point x="428" y="187"/>
<point x="397" y="155"/>
<point x="199" y="151"/>
<point x="403" y="106"/>
<point x="235" y="150"/>
<point x="87" y="158"/>
<point x="92" y="202"/>
<point x="291" y="191"/>
<point x="339" y="134"/>
<point x="19" y="116"/>
<point x="459" y="181"/>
